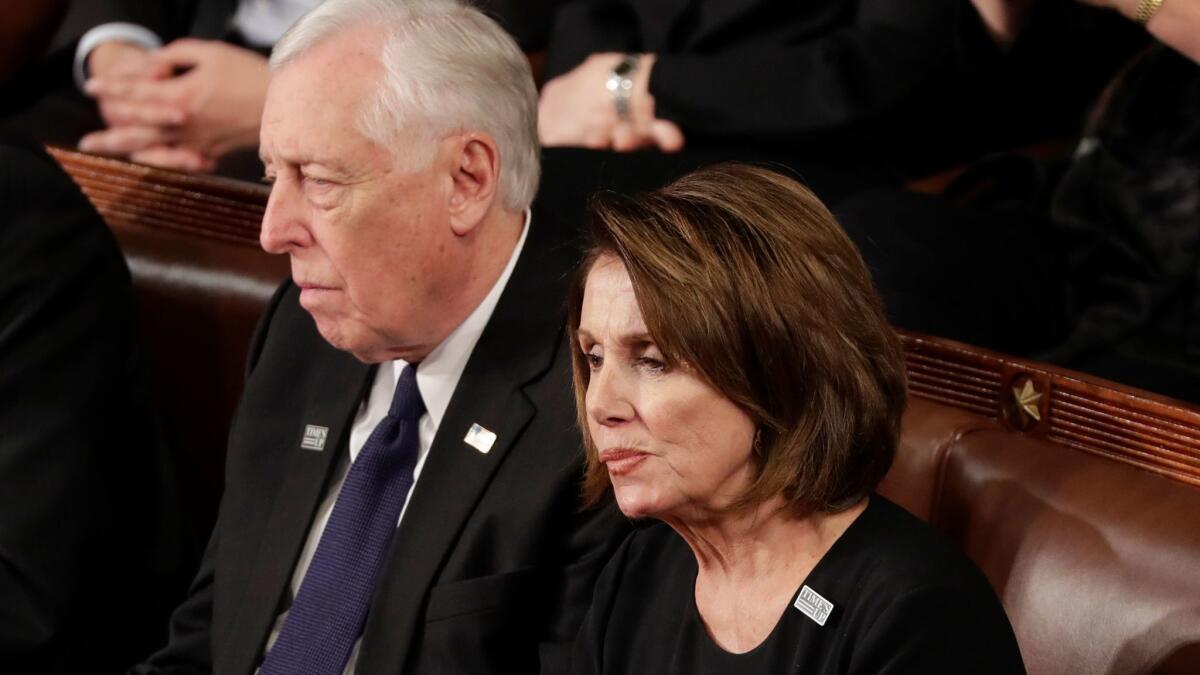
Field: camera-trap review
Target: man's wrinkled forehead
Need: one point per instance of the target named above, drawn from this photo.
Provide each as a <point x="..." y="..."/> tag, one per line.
<point x="314" y="101"/>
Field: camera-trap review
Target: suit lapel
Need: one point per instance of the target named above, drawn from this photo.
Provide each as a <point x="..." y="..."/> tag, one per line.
<point x="516" y="348"/>
<point x="336" y="383"/>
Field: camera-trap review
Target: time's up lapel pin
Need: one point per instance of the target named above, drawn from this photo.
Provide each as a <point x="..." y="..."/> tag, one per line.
<point x="480" y="438"/>
<point x="314" y="437"/>
<point x="813" y="605"/>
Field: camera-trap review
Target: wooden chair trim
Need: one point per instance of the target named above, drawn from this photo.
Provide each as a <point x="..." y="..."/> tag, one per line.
<point x="132" y="195"/>
<point x="1146" y="430"/>
<point x="1128" y="425"/>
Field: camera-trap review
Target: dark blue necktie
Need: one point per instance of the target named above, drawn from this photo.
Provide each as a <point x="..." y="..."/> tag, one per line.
<point x="328" y="613"/>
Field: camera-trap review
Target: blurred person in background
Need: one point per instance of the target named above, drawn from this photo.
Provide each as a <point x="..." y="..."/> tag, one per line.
<point x="1090" y="261"/>
<point x="180" y="84"/>
<point x="851" y="96"/>
<point x="92" y="551"/>
<point x="900" y="85"/>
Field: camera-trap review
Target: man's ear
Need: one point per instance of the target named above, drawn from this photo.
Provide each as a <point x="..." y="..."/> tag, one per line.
<point x="475" y="174"/>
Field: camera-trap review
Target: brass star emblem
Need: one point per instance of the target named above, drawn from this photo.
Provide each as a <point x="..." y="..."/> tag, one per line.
<point x="1027" y="400"/>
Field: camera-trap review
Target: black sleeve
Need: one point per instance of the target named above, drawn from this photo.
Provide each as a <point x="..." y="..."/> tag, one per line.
<point x="586" y="27"/>
<point x="893" y="62"/>
<point x="528" y="21"/>
<point x="889" y="65"/>
<point x="596" y="533"/>
<point x="587" y="658"/>
<point x="939" y="630"/>
<point x="169" y="19"/>
<point x="189" y="646"/>
<point x="81" y="552"/>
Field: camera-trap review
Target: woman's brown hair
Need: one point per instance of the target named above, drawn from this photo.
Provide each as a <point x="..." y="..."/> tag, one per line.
<point x="743" y="275"/>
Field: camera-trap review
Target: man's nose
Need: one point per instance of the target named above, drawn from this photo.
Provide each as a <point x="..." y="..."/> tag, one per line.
<point x="284" y="227"/>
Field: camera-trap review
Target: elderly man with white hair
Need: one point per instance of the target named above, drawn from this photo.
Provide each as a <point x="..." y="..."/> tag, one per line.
<point x="403" y="471"/>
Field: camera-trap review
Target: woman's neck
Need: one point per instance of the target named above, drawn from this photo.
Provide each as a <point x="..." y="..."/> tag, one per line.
<point x="748" y="544"/>
<point x="750" y="564"/>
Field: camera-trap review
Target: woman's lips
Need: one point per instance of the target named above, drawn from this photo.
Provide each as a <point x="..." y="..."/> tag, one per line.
<point x="621" y="461"/>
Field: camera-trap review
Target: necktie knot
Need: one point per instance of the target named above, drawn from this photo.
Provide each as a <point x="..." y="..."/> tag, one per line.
<point x="406" y="400"/>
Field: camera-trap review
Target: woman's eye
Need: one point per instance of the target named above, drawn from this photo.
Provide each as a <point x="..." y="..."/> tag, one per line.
<point x="651" y="364"/>
<point x="594" y="361"/>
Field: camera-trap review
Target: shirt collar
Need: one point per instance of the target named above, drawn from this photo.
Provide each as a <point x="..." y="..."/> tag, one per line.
<point x="438" y="374"/>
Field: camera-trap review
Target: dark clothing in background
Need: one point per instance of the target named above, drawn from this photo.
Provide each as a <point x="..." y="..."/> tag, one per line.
<point x="905" y="600"/>
<point x="528" y="21"/>
<point x="982" y="275"/>
<point x="91" y="545"/>
<point x="1127" y="217"/>
<point x="1092" y="263"/>
<point x="570" y="176"/>
<point x="903" y="85"/>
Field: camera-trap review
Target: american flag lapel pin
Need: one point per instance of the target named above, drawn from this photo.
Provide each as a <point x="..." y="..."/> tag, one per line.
<point x="480" y="438"/>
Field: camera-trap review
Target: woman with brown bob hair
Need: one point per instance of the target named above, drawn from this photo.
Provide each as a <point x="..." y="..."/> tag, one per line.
<point x="737" y="381"/>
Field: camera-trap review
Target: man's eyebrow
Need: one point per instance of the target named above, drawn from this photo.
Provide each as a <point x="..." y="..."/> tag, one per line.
<point x="335" y="167"/>
<point x="293" y="156"/>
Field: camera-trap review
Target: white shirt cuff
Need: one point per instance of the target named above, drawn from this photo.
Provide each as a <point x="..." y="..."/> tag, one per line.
<point x="110" y="32"/>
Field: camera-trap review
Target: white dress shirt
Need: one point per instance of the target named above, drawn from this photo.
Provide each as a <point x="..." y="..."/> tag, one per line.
<point x="437" y="378"/>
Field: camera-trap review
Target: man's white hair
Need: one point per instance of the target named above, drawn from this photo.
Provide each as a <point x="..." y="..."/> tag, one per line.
<point x="447" y="67"/>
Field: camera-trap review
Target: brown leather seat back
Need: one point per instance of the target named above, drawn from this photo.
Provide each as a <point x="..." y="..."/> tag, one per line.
<point x="928" y="430"/>
<point x="1096" y="562"/>
<point x="199" y="301"/>
<point x="1078" y="498"/>
<point x="201" y="282"/>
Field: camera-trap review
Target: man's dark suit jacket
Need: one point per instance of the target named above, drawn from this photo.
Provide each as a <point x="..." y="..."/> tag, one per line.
<point x="494" y="560"/>
<point x="90" y="542"/>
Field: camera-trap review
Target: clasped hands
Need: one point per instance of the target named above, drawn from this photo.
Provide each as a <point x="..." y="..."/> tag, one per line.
<point x="185" y="105"/>
<point x="182" y="106"/>
<point x="576" y="109"/>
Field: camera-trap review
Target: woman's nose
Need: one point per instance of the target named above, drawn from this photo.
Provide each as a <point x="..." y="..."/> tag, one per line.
<point x="607" y="399"/>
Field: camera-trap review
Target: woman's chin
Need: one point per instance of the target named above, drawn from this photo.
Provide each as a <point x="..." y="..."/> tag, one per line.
<point x="635" y="503"/>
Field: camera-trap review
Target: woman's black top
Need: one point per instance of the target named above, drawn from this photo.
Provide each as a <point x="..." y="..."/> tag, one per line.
<point x="891" y="596"/>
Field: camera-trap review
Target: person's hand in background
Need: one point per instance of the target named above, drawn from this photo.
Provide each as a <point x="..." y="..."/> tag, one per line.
<point x="577" y="109"/>
<point x="208" y="105"/>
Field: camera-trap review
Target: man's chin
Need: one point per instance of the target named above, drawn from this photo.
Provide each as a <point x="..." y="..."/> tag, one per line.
<point x="331" y="331"/>
<point x="342" y="340"/>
